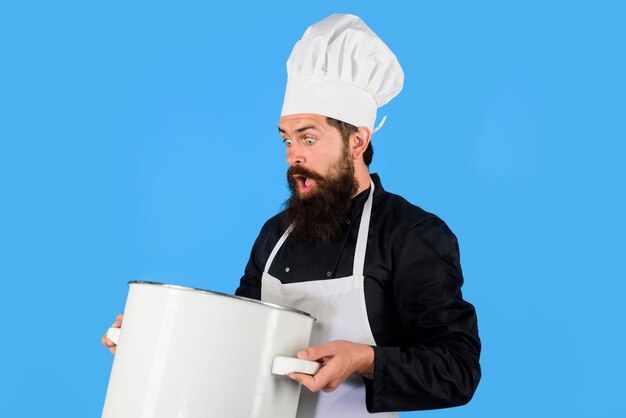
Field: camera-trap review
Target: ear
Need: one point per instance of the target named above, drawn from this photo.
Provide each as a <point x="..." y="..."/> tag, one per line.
<point x="359" y="141"/>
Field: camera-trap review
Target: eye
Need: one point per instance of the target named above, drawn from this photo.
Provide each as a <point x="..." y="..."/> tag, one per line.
<point x="287" y="142"/>
<point x="309" y="140"/>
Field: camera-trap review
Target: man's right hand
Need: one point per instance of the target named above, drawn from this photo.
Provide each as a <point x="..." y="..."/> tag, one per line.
<point x="108" y="343"/>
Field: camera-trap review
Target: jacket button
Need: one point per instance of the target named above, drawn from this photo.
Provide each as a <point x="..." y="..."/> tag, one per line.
<point x="287" y="270"/>
<point x="329" y="273"/>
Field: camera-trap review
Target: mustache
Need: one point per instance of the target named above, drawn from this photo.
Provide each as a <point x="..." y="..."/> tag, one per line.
<point x="320" y="216"/>
<point x="298" y="170"/>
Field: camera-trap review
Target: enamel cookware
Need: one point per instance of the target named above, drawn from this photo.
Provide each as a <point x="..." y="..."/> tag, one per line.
<point x="191" y="353"/>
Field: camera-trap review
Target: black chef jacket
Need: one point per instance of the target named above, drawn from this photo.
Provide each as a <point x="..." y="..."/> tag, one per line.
<point x="427" y="346"/>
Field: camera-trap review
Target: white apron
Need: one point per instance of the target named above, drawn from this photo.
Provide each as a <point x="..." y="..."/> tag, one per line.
<point x="339" y="306"/>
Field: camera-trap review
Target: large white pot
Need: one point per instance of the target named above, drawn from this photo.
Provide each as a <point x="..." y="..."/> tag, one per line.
<point x="190" y="353"/>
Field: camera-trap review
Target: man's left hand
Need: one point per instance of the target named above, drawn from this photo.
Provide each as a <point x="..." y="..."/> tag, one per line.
<point x="341" y="359"/>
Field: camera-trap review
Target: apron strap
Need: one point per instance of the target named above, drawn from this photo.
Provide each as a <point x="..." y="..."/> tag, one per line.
<point x="361" y="241"/>
<point x="279" y="244"/>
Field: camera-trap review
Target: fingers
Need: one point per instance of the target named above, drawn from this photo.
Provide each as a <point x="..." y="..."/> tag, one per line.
<point x="331" y="374"/>
<point x="106" y="341"/>
<point x="341" y="359"/>
<point x="324" y="380"/>
<point x="118" y="321"/>
<point x="109" y="344"/>
<point x="318" y="352"/>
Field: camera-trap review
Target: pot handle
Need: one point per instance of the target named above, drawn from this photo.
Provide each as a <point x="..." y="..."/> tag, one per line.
<point x="113" y="334"/>
<point x="286" y="365"/>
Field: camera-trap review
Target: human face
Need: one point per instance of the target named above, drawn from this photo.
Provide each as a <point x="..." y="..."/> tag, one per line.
<point x="312" y="144"/>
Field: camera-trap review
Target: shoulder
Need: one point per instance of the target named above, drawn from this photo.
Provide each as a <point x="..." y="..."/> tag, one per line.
<point x="409" y="221"/>
<point x="402" y="213"/>
<point x="269" y="235"/>
<point x="401" y="209"/>
<point x="399" y="214"/>
<point x="271" y="231"/>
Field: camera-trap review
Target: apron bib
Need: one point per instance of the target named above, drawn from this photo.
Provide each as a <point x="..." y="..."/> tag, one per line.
<point x="339" y="307"/>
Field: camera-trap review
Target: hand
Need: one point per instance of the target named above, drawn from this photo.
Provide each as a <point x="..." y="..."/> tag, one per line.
<point x="108" y="343"/>
<point x="341" y="359"/>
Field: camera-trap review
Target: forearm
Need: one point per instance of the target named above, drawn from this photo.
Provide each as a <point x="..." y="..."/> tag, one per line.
<point x="417" y="378"/>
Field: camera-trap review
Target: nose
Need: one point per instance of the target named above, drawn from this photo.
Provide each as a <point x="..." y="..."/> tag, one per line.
<point x="295" y="154"/>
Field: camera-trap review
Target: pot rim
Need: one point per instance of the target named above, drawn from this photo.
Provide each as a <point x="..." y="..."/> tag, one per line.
<point x="211" y="292"/>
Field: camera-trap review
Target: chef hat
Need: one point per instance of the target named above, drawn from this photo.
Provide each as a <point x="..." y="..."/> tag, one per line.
<point x="341" y="69"/>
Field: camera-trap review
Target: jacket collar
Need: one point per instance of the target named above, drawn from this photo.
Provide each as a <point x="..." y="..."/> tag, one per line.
<point x="359" y="200"/>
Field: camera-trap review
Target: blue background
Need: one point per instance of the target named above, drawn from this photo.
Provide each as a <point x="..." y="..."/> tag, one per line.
<point x="138" y="142"/>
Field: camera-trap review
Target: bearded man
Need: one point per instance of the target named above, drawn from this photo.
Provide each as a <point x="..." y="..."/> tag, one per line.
<point x="381" y="276"/>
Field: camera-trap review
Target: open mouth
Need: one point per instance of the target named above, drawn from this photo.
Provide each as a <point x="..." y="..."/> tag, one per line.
<point x="305" y="184"/>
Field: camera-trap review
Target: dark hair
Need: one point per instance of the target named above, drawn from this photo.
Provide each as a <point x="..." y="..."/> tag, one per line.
<point x="345" y="129"/>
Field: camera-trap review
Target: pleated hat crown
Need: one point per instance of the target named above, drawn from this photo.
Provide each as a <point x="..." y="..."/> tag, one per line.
<point x="341" y="69"/>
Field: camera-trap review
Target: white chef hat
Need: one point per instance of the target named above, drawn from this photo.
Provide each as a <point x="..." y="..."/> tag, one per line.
<point x="341" y="69"/>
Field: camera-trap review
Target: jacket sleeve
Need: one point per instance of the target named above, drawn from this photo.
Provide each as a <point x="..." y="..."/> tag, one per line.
<point x="437" y="364"/>
<point x="250" y="283"/>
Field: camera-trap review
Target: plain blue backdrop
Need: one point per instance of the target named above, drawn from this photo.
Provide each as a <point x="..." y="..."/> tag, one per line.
<point x="138" y="142"/>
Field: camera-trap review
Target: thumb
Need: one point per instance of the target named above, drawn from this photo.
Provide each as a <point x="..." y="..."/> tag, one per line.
<point x="303" y="355"/>
<point x="317" y="352"/>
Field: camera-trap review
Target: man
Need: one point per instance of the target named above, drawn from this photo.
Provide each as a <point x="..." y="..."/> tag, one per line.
<point x="381" y="276"/>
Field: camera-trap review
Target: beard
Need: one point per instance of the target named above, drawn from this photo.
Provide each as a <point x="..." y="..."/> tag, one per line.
<point x="319" y="215"/>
